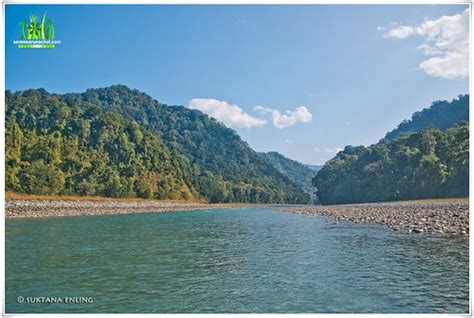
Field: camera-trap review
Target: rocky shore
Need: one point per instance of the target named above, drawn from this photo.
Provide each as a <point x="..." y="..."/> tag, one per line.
<point x="437" y="216"/>
<point x="51" y="208"/>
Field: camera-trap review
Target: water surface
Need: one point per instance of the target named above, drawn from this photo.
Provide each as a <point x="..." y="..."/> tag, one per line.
<point x="231" y="260"/>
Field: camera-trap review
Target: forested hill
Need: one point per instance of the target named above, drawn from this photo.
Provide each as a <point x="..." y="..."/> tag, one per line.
<point x="425" y="157"/>
<point x="120" y="142"/>
<point x="294" y="170"/>
<point x="441" y="115"/>
<point x="427" y="164"/>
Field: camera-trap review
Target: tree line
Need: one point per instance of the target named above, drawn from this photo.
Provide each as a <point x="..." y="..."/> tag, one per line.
<point x="118" y="142"/>
<point x="431" y="163"/>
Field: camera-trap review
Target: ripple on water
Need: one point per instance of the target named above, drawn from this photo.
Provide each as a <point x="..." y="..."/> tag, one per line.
<point x="240" y="260"/>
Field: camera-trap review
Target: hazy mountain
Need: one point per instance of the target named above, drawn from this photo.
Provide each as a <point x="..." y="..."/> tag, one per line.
<point x="299" y="173"/>
<point x="314" y="168"/>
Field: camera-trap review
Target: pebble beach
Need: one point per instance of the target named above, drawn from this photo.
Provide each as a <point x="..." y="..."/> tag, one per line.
<point x="436" y="216"/>
<point x="51" y="208"/>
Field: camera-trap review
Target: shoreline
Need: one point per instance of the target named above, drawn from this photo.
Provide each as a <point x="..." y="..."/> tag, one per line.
<point x="41" y="208"/>
<point x="438" y="216"/>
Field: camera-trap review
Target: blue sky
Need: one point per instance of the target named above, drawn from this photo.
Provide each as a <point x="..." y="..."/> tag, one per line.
<point x="301" y="80"/>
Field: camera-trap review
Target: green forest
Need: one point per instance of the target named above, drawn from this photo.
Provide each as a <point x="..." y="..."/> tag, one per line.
<point x="121" y="143"/>
<point x="425" y="157"/>
<point x="301" y="174"/>
<point x="441" y="115"/>
<point x="118" y="142"/>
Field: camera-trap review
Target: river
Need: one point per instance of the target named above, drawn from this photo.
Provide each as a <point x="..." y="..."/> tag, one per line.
<point x="231" y="260"/>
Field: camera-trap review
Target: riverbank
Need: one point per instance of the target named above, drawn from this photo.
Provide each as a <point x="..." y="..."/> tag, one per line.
<point x="431" y="216"/>
<point x="38" y="207"/>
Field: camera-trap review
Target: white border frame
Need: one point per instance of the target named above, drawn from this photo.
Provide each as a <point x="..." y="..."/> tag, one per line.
<point x="231" y="2"/>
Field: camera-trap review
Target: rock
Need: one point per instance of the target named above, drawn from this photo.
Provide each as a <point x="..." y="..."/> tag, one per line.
<point x="417" y="217"/>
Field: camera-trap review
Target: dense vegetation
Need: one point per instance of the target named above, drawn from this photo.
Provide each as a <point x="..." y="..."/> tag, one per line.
<point x="297" y="172"/>
<point x="428" y="164"/>
<point x="441" y="115"/>
<point x="424" y="157"/>
<point x="56" y="148"/>
<point x="121" y="143"/>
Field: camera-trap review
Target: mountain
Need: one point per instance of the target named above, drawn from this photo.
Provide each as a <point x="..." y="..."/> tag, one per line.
<point x="53" y="147"/>
<point x="314" y="168"/>
<point x="427" y="164"/>
<point x="441" y="115"/>
<point x="299" y="173"/>
<point x="424" y="157"/>
<point x="120" y="142"/>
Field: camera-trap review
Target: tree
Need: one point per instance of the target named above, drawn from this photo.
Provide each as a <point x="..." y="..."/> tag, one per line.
<point x="426" y="164"/>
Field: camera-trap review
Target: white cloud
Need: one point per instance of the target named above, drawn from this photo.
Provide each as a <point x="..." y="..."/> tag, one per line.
<point x="329" y="150"/>
<point x="400" y="32"/>
<point x="446" y="40"/>
<point x="230" y="114"/>
<point x="299" y="115"/>
<point x="234" y="116"/>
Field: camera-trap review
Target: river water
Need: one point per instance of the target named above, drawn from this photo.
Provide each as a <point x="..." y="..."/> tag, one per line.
<point x="230" y="260"/>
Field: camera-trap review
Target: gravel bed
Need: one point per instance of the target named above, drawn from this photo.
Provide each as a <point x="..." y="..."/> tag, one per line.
<point x="52" y="208"/>
<point x="437" y="217"/>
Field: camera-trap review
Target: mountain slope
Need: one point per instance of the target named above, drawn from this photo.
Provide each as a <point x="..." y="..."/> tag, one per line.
<point x="426" y="164"/>
<point x="299" y="173"/>
<point x="212" y="162"/>
<point x="441" y="115"/>
<point x="424" y="157"/>
<point x="314" y="168"/>
<point x="56" y="148"/>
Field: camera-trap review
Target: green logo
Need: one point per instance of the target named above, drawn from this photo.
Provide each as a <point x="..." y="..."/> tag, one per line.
<point x="36" y="31"/>
<point x="36" y="35"/>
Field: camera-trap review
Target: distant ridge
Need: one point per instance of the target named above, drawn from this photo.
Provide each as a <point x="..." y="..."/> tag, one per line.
<point x="315" y="168"/>
<point x="297" y="172"/>
<point x="441" y="115"/>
